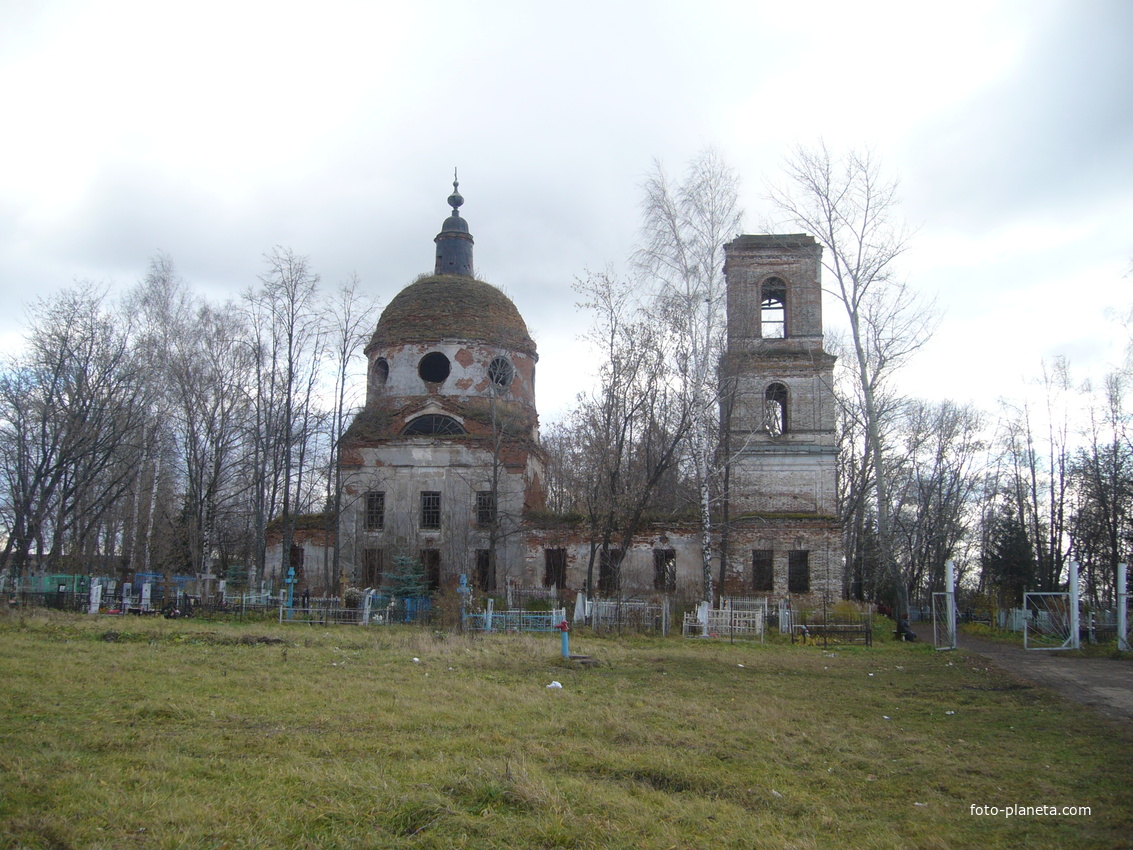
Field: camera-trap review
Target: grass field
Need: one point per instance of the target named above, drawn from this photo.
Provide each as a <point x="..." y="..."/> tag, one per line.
<point x="155" y="733"/>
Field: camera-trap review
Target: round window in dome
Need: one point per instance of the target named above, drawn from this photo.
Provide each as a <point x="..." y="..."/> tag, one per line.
<point x="433" y="368"/>
<point x="381" y="371"/>
<point x="501" y="372"/>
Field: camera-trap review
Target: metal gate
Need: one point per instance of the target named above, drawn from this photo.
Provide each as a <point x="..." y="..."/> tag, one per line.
<point x="1050" y="622"/>
<point x="944" y="620"/>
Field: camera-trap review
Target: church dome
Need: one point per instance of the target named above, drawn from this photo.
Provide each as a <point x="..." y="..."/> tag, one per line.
<point x="452" y="307"/>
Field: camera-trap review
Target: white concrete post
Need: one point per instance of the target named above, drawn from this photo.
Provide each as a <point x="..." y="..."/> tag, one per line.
<point x="1075" y="641"/>
<point x="1122" y="607"/>
<point x="950" y="589"/>
<point x="95" y="598"/>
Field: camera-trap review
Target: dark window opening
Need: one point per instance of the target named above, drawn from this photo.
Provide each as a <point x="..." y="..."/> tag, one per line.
<point x="430" y="509"/>
<point x="381" y="371"/>
<point x="433" y="368"/>
<point x="484" y="569"/>
<point x="501" y="372"/>
<point x="375" y="510"/>
<point x="373" y="567"/>
<point x="554" y="568"/>
<point x="665" y="570"/>
<point x="297" y="558"/>
<point x="773" y="309"/>
<point x="609" y="571"/>
<point x="762" y="570"/>
<point x="798" y="571"/>
<point x="775" y="410"/>
<point x="431" y="561"/>
<point x="485" y="508"/>
<point x="433" y="424"/>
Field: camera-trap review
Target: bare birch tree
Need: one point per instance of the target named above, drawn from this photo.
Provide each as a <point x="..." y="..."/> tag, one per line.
<point x="849" y="207"/>
<point x="352" y="316"/>
<point x="682" y="255"/>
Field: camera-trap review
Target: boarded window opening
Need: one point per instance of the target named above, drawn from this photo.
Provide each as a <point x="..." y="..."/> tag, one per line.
<point x="763" y="570"/>
<point x="773" y="309"/>
<point x="665" y="570"/>
<point x="430" y="509"/>
<point x="798" y="571"/>
<point x="554" y="568"/>
<point x="375" y="510"/>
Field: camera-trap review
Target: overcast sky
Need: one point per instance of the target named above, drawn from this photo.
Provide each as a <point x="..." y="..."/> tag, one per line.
<point x="215" y="131"/>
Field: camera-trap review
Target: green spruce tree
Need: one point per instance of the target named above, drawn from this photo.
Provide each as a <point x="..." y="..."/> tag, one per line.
<point x="406" y="580"/>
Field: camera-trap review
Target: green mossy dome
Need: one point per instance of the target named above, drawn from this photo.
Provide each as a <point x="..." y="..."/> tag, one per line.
<point x="441" y="307"/>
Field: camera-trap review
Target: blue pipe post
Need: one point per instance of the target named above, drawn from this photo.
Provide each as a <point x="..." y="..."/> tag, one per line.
<point x="565" y="629"/>
<point x="290" y="582"/>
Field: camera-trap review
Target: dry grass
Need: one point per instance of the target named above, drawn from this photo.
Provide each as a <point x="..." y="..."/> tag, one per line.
<point x="124" y="733"/>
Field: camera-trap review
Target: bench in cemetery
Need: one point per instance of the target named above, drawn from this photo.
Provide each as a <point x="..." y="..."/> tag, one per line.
<point x="836" y="632"/>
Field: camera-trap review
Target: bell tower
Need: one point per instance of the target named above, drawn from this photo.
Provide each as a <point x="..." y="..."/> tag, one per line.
<point x="778" y="416"/>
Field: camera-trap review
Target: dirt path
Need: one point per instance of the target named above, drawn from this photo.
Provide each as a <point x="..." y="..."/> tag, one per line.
<point x="1105" y="684"/>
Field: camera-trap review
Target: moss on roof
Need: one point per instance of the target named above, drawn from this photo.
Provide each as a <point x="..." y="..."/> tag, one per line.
<point x="442" y="307"/>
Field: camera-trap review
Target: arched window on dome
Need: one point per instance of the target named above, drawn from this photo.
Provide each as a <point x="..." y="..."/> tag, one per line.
<point x="433" y="425"/>
<point x="773" y="309"/>
<point x="775" y="410"/>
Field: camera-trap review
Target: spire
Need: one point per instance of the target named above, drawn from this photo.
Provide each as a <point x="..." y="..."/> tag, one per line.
<point x="454" y="242"/>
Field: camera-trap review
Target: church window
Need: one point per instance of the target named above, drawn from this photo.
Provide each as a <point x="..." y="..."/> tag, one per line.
<point x="373" y="565"/>
<point x="775" y="410"/>
<point x="554" y="568"/>
<point x="430" y="509"/>
<point x="485" y="508"/>
<point x="773" y="309"/>
<point x="665" y="570"/>
<point x="501" y="372"/>
<point x="609" y="567"/>
<point x="431" y="561"/>
<point x="434" y="368"/>
<point x="763" y="575"/>
<point x="484" y="569"/>
<point x="798" y="571"/>
<point x="433" y="424"/>
<point x="375" y="510"/>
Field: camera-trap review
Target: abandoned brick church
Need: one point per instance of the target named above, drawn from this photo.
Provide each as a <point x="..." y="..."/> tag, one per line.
<point x="444" y="461"/>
